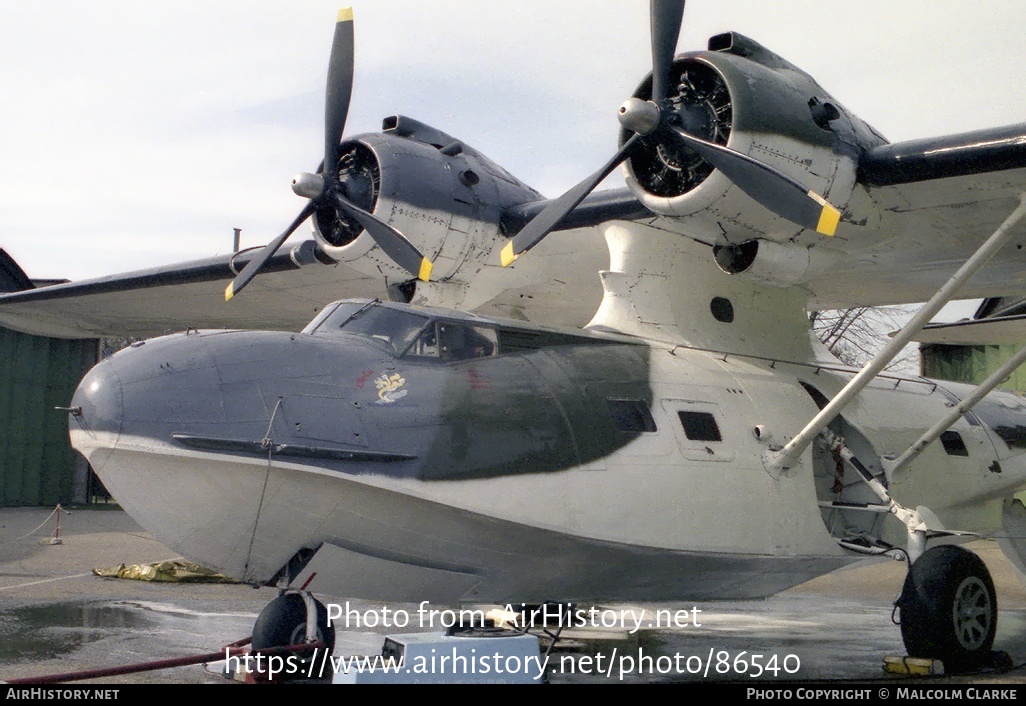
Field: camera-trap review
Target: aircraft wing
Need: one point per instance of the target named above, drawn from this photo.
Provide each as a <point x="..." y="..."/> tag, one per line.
<point x="939" y="199"/>
<point x="936" y="200"/>
<point x="977" y="332"/>
<point x="292" y="287"/>
<point x="151" y="302"/>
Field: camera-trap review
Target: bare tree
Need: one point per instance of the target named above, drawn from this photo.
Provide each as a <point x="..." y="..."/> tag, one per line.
<point x="856" y="335"/>
<point x="110" y="346"/>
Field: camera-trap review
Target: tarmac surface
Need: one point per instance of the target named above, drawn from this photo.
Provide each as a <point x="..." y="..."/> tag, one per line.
<point x="58" y="618"/>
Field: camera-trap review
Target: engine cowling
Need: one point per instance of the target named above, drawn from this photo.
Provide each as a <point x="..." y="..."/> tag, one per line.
<point x="443" y="195"/>
<point x="740" y="94"/>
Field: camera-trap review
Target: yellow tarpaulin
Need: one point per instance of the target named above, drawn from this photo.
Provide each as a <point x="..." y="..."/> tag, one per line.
<point x="165" y="571"/>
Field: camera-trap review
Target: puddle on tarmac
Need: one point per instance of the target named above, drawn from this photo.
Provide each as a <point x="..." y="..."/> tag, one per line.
<point x="1011" y="632"/>
<point x="41" y="632"/>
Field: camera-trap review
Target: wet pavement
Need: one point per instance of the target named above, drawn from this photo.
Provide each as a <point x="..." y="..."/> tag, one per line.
<point x="57" y="617"/>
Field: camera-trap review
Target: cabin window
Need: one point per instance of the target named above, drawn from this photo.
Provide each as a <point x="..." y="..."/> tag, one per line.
<point x="631" y="415"/>
<point x="700" y="426"/>
<point x="953" y="444"/>
<point x="454" y="341"/>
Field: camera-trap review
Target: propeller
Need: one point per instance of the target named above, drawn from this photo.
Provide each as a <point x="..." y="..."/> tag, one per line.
<point x="656" y="120"/>
<point x="540" y="225"/>
<point x="666" y="18"/>
<point x="325" y="189"/>
<point x="771" y="188"/>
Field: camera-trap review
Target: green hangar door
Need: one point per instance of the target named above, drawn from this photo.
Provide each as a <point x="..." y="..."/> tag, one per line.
<point x="37" y="464"/>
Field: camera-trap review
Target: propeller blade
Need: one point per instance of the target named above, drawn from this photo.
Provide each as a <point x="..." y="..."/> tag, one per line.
<point x="540" y="226"/>
<point x="396" y="246"/>
<point x="769" y="187"/>
<point x="340" y="85"/>
<point x="256" y="264"/>
<point x="666" y="18"/>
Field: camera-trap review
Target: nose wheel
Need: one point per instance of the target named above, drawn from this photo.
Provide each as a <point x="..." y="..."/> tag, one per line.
<point x="949" y="609"/>
<point x="294" y="619"/>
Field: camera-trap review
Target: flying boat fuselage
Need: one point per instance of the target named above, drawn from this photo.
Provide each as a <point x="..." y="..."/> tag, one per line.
<point x="397" y="453"/>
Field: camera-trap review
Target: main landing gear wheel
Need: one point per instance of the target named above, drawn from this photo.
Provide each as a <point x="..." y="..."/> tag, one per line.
<point x="282" y="622"/>
<point x="949" y="609"/>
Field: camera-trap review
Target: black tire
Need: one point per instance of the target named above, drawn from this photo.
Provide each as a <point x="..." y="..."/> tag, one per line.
<point x="949" y="609"/>
<point x="282" y="622"/>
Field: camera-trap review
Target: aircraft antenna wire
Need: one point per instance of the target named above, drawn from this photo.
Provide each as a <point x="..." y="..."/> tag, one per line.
<point x="267" y="443"/>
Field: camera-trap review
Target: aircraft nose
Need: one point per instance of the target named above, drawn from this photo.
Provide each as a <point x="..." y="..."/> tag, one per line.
<point x="97" y="408"/>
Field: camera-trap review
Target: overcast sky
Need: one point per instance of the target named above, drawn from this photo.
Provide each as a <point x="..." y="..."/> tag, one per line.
<point x="137" y="133"/>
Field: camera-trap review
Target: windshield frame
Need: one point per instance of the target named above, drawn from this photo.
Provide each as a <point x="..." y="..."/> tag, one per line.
<point x="405" y="335"/>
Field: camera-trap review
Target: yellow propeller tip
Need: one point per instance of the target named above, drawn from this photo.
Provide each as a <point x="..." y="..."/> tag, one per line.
<point x="829" y="216"/>
<point x="229" y="293"/>
<point x="345" y="15"/>
<point x="828" y="220"/>
<point x="425" y="270"/>
<point x="507" y="254"/>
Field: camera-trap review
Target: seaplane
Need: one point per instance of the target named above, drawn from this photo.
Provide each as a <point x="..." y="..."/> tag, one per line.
<point x="613" y="395"/>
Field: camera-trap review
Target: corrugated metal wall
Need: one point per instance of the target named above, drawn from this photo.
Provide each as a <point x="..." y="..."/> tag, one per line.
<point x="970" y="364"/>
<point x="37" y="463"/>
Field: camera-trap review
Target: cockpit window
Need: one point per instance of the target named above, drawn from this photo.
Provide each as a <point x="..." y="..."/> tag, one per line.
<point x="416" y="335"/>
<point x="340" y="311"/>
<point x="454" y="341"/>
<point x="426" y="345"/>
<point x="393" y="327"/>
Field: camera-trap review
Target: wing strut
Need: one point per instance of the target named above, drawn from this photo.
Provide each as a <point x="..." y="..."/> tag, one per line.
<point x="778" y="461"/>
<point x="981" y="391"/>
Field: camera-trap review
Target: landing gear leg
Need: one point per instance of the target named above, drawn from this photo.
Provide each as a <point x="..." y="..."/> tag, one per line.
<point x="949" y="609"/>
<point x="294" y="618"/>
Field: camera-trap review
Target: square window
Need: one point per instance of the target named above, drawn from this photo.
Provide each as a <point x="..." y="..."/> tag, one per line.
<point x="700" y="426"/>
<point x="953" y="443"/>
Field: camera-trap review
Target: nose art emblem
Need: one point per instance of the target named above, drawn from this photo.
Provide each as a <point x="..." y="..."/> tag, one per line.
<point x="390" y="388"/>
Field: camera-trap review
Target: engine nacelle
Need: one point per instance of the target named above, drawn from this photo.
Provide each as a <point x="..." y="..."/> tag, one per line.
<point x="768" y="262"/>
<point x="443" y="195"/>
<point x="742" y="95"/>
